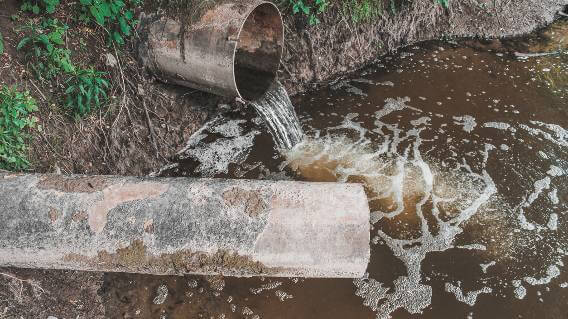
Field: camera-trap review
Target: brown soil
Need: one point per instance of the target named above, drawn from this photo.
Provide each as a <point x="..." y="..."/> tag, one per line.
<point x="147" y="122"/>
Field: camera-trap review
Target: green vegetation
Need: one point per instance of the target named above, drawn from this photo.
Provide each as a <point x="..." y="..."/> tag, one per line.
<point x="86" y="91"/>
<point x="1" y="43"/>
<point x="41" y="44"/>
<point x="444" y="3"/>
<point x="35" y="6"/>
<point x="15" y="119"/>
<point x="112" y="15"/>
<point x="363" y="10"/>
<point x="309" y="9"/>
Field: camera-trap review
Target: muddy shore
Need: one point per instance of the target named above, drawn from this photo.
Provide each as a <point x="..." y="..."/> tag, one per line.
<point x="139" y="136"/>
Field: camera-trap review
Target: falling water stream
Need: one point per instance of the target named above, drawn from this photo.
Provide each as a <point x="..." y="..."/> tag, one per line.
<point x="278" y="113"/>
<point x="463" y="152"/>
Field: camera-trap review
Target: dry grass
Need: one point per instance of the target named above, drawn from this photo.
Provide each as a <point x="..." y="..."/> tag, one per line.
<point x="15" y="289"/>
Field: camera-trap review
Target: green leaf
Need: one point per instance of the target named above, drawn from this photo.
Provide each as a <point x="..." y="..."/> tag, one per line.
<point x="105" y="9"/>
<point x="119" y="3"/>
<point x="97" y="15"/>
<point x="129" y="14"/>
<point x="35" y="9"/>
<point x="1" y="44"/>
<point x="117" y="38"/>
<point x="23" y="42"/>
<point x="124" y="27"/>
<point x="296" y="8"/>
<point x="85" y="2"/>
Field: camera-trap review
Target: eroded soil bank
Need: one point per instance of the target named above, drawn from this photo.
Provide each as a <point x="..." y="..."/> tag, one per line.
<point x="121" y="142"/>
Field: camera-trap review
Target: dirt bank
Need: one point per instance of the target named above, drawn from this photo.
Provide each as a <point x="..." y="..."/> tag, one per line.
<point x="315" y="54"/>
<point x="147" y="122"/>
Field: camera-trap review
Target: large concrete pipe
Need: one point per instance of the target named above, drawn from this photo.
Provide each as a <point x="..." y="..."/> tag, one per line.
<point x="232" y="50"/>
<point x="184" y="226"/>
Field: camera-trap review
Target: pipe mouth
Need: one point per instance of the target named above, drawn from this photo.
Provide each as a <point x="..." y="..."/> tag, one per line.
<point x="258" y="52"/>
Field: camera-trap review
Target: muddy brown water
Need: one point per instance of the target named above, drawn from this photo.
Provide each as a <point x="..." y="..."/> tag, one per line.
<point x="463" y="150"/>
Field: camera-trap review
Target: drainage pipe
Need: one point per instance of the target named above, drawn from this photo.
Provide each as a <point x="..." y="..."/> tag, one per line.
<point x="175" y="226"/>
<point x="233" y="49"/>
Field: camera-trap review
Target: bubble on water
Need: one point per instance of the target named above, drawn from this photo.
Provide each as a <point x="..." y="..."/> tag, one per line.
<point x="470" y="297"/>
<point x="473" y="247"/>
<point x="268" y="286"/>
<point x="520" y="291"/>
<point x="247" y="311"/>
<point x="282" y="295"/>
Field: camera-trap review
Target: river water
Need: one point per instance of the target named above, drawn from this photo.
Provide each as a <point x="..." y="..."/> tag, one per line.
<point x="463" y="151"/>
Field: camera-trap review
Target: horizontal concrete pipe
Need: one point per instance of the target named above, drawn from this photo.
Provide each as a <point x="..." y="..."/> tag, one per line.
<point x="233" y="50"/>
<point x="174" y="226"/>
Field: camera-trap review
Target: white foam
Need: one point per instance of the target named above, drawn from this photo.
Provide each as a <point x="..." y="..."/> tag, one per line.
<point x="486" y="266"/>
<point x="553" y="222"/>
<point x="497" y="125"/>
<point x="555" y="171"/>
<point x="520" y="291"/>
<point x="215" y="157"/>
<point x="469" y="298"/>
<point x="467" y="121"/>
<point x="551" y="272"/>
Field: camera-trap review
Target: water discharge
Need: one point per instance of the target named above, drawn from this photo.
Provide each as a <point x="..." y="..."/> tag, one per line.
<point x="277" y="111"/>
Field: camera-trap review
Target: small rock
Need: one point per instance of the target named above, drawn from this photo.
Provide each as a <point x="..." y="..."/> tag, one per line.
<point x="110" y="60"/>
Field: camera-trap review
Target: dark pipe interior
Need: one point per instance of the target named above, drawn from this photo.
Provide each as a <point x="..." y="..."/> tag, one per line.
<point x="258" y="52"/>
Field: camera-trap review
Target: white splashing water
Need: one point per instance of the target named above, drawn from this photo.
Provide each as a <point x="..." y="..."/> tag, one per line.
<point x="390" y="161"/>
<point x="277" y="111"/>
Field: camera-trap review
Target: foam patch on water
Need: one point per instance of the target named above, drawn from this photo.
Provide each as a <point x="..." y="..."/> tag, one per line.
<point x="470" y="297"/>
<point x="233" y="146"/>
<point x="467" y="121"/>
<point x="551" y="272"/>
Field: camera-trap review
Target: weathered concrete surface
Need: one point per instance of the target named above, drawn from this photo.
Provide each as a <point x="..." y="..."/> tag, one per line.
<point x="182" y="225"/>
<point x="232" y="50"/>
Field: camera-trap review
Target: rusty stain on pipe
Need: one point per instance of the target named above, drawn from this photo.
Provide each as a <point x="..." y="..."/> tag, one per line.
<point x="233" y="50"/>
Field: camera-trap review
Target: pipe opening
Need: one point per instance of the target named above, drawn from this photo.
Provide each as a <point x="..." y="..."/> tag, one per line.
<point x="258" y="52"/>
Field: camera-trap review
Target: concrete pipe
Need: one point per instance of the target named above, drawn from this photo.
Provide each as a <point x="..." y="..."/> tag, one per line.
<point x="232" y="50"/>
<point x="180" y="226"/>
